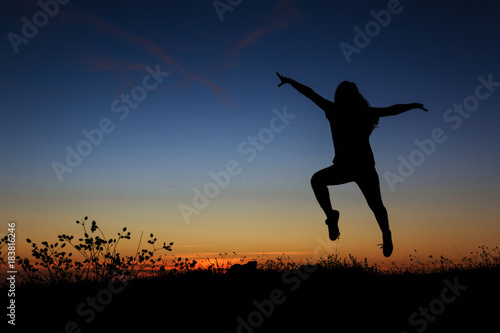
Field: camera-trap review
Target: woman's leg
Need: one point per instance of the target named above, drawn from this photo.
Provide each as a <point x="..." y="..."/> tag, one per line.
<point x="320" y="180"/>
<point x="369" y="184"/>
<point x="333" y="175"/>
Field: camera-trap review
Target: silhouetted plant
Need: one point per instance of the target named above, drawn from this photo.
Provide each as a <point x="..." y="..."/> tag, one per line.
<point x="221" y="264"/>
<point x="101" y="261"/>
<point x="484" y="258"/>
<point x="183" y="265"/>
<point x="281" y="263"/>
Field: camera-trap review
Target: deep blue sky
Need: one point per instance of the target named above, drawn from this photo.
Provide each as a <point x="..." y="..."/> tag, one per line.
<point x="222" y="89"/>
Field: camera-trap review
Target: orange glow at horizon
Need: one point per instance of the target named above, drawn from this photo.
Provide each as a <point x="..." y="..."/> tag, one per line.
<point x="287" y="223"/>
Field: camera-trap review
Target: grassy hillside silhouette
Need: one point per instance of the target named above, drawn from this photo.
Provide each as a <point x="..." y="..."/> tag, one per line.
<point x="105" y="291"/>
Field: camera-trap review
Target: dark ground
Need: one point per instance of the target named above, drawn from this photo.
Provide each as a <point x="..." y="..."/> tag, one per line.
<point x="322" y="300"/>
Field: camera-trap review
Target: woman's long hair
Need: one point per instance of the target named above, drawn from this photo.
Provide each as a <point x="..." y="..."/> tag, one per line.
<point x="349" y="99"/>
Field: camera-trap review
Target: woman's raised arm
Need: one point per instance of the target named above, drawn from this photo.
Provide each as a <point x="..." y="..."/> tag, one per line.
<point x="323" y="103"/>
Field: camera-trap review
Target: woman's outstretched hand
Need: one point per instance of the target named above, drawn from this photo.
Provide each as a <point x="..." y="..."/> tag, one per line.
<point x="283" y="79"/>
<point x="420" y="106"/>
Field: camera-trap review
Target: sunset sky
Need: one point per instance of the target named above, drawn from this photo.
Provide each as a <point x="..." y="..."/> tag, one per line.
<point x="125" y="111"/>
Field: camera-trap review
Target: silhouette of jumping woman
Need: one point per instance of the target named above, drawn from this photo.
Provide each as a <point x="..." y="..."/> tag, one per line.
<point x="352" y="120"/>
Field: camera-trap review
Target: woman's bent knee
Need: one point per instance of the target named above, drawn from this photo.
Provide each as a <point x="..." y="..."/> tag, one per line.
<point x="316" y="180"/>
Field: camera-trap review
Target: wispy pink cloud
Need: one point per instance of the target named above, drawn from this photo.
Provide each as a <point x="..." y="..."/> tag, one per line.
<point x="283" y="15"/>
<point x="145" y="45"/>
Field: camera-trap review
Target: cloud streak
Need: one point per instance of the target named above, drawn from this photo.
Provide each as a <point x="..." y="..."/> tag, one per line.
<point x="146" y="45"/>
<point x="283" y="15"/>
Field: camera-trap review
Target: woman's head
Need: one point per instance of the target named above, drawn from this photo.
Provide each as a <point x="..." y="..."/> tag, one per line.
<point x="347" y="95"/>
<point x="348" y="99"/>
